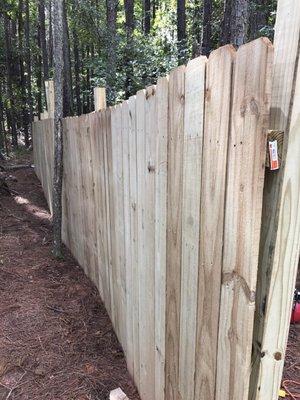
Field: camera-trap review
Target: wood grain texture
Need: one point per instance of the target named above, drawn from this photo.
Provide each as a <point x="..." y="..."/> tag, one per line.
<point x="146" y="203"/>
<point x="244" y="189"/>
<point x="141" y="156"/>
<point x="133" y="294"/>
<point x="215" y="142"/>
<point x="111" y="213"/>
<point x="99" y="98"/>
<point x="192" y="165"/>
<point x="160" y="233"/>
<point x="99" y="233"/>
<point x="118" y="259"/>
<point x="162" y="205"/>
<point x="106" y="133"/>
<point x="127" y="236"/>
<point x="174" y="227"/>
<point x="279" y="242"/>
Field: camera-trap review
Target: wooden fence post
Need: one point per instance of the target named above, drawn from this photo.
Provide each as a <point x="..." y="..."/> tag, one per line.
<point x="44" y="115"/>
<point x="280" y="232"/>
<point x="99" y="98"/>
<point x="50" y="97"/>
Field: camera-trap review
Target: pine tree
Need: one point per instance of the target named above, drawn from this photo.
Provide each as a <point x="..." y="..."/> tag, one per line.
<point x="58" y="127"/>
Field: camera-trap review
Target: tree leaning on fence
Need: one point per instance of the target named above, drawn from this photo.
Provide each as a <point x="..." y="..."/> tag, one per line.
<point x="58" y="128"/>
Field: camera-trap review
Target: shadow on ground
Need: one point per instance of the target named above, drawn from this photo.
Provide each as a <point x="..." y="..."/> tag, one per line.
<point x="56" y="339"/>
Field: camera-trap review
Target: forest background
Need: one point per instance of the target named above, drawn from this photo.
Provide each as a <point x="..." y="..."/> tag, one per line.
<point x="122" y="45"/>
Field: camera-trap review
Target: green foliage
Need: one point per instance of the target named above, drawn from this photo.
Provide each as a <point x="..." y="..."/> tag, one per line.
<point x="140" y="59"/>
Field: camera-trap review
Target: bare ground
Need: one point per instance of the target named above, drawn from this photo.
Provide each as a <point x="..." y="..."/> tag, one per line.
<point x="56" y="339"/>
<point x="291" y="371"/>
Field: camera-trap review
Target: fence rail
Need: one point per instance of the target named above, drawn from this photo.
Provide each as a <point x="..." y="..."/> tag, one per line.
<point x="162" y="200"/>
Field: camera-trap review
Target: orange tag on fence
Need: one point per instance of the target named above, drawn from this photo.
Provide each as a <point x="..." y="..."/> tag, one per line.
<point x="273" y="152"/>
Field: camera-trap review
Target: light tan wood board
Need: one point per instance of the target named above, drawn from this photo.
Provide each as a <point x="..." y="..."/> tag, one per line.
<point x="244" y="189"/>
<point x="174" y="228"/>
<point x="191" y="181"/>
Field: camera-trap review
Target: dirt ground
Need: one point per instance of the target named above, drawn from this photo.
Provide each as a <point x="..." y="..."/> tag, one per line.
<point x="291" y="371"/>
<point x="56" y="339"/>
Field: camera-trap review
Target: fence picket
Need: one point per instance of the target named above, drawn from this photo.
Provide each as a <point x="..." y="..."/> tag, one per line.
<point x="174" y="226"/>
<point x="160" y="233"/>
<point x="162" y="209"/>
<point x="245" y="177"/>
<point x="192" y="161"/>
<point x="217" y="113"/>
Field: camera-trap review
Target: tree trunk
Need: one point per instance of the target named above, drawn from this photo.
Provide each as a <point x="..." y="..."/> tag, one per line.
<point x="147" y="16"/>
<point x="239" y="25"/>
<point x="68" y="95"/>
<point x="58" y="128"/>
<point x="91" y="93"/>
<point x="111" y="18"/>
<point x="235" y="22"/>
<point x="88" y="83"/>
<point x="258" y="17"/>
<point x="129" y="27"/>
<point x="50" y="44"/>
<point x="77" y="71"/>
<point x="154" y="8"/>
<point x="206" y="37"/>
<point x="11" y="115"/>
<point x="22" y="73"/>
<point x="39" y="79"/>
<point x="28" y="60"/>
<point x="43" y="44"/>
<point x="2" y="128"/>
<point x="196" y="29"/>
<point x="181" y="31"/>
<point x="226" y="23"/>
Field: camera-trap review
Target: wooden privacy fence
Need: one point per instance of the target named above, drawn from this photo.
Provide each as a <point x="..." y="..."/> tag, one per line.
<point x="162" y="202"/>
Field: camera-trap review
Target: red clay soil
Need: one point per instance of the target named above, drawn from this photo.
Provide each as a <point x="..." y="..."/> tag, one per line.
<point x="56" y="339"/>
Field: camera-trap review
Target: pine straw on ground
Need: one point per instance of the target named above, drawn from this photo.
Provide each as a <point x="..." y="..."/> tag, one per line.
<point x="291" y="371"/>
<point x="56" y="339"/>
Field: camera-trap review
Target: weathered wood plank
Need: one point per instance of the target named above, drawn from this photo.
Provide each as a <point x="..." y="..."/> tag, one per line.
<point x="160" y="234"/>
<point x="127" y="236"/>
<point x="118" y="262"/>
<point x="279" y="245"/>
<point x="49" y="86"/>
<point x="174" y="226"/>
<point x="141" y="156"/>
<point x="215" y="142"/>
<point x="192" y="162"/>
<point x="146" y="185"/>
<point x="244" y="189"/>
<point x="133" y="294"/>
<point x="99" y="98"/>
<point x="147" y="316"/>
<point x="111" y="213"/>
<point x="99" y="234"/>
<point x="105" y="132"/>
